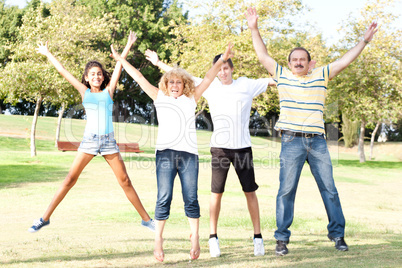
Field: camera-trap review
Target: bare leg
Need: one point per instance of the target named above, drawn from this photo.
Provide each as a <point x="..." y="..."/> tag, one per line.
<point x="116" y="163"/>
<point x="79" y="163"/>
<point x="158" y="252"/>
<point x="253" y="208"/>
<point x="194" y="238"/>
<point x="214" y="210"/>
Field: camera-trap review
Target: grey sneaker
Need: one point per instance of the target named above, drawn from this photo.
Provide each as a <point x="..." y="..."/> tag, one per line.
<point x="340" y="243"/>
<point x="37" y="224"/>
<point x="259" y="249"/>
<point x="281" y="249"/>
<point x="149" y="224"/>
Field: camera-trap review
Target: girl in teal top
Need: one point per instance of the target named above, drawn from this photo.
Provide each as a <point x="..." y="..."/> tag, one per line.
<point x="96" y="88"/>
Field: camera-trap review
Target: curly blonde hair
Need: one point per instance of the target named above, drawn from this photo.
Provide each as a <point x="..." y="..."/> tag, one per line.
<point x="188" y="82"/>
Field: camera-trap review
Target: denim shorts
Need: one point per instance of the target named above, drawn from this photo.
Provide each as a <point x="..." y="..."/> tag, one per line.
<point x="99" y="144"/>
<point x="242" y="161"/>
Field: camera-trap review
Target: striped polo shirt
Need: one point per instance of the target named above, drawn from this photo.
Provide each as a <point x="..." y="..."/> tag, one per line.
<point x="302" y="99"/>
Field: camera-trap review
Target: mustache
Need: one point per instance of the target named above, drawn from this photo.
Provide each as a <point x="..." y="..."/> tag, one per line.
<point x="301" y="66"/>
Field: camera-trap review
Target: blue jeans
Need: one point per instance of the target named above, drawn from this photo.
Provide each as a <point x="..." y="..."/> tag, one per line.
<point x="294" y="152"/>
<point x="168" y="164"/>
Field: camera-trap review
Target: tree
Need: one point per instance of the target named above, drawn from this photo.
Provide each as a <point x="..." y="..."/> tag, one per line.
<point x="73" y="41"/>
<point x="10" y="21"/>
<point x="206" y="35"/>
<point x="152" y="21"/>
<point x="370" y="88"/>
<point x="349" y="131"/>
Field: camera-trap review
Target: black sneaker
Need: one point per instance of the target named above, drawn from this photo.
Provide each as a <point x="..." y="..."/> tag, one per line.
<point x="340" y="243"/>
<point x="37" y="225"/>
<point x="281" y="249"/>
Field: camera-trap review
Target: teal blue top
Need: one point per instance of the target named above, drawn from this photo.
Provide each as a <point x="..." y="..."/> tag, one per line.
<point x="99" y="109"/>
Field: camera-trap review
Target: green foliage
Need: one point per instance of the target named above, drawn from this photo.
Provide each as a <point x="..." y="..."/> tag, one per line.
<point x="10" y="20"/>
<point x="394" y="131"/>
<point x="208" y="34"/>
<point x="350" y="131"/>
<point x="370" y="88"/>
<point x="73" y="37"/>
<point x="151" y="20"/>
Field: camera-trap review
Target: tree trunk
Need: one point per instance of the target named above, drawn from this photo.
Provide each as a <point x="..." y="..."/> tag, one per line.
<point x="372" y="139"/>
<point x="349" y="131"/>
<point x="33" y="127"/>
<point x="361" y="141"/>
<point x="61" y="112"/>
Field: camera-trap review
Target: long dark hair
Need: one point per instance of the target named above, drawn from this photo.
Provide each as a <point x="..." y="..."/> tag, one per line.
<point x="106" y="74"/>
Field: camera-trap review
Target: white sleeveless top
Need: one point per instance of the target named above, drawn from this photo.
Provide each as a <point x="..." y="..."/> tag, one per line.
<point x="176" y="121"/>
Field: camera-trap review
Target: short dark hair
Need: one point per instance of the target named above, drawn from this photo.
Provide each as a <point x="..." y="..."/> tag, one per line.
<point x="229" y="61"/>
<point x="300" y="48"/>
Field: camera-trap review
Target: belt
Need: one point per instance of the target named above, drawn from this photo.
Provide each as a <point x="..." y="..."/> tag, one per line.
<point x="299" y="134"/>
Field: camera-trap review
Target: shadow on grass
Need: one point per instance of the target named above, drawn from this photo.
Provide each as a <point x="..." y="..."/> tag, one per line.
<point x="15" y="175"/>
<point x="23" y="144"/>
<point x="303" y="252"/>
<point x="370" y="164"/>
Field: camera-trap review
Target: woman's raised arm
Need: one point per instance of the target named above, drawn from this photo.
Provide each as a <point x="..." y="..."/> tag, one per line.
<point x="211" y="74"/>
<point x="148" y="88"/>
<point x="111" y="87"/>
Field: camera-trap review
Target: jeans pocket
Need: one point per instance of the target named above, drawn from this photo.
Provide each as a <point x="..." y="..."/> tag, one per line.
<point x="287" y="138"/>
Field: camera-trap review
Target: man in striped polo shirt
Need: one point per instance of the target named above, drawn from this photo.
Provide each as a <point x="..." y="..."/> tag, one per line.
<point x="302" y="98"/>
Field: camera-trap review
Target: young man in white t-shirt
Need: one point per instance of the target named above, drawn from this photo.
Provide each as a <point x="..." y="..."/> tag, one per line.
<point x="230" y="104"/>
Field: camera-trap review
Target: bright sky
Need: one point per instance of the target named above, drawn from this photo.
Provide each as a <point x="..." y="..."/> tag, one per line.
<point x="326" y="14"/>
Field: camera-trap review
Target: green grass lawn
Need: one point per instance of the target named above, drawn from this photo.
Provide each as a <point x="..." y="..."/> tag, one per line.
<point x="96" y="226"/>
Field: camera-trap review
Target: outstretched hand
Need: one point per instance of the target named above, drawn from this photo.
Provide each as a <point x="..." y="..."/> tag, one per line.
<point x="228" y="52"/>
<point x="152" y="56"/>
<point x="114" y="54"/>
<point x="42" y="49"/>
<point x="252" y="18"/>
<point x="131" y="38"/>
<point x="368" y="36"/>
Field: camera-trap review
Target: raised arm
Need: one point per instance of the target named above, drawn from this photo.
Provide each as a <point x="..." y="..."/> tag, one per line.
<point x="151" y="91"/>
<point x="43" y="49"/>
<point x="259" y="46"/>
<point x="211" y="74"/>
<point x="354" y="52"/>
<point x="152" y="56"/>
<point x="111" y="87"/>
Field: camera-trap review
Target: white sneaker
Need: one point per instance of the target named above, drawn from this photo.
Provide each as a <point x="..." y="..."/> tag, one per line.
<point x="214" y="249"/>
<point x="259" y="249"/>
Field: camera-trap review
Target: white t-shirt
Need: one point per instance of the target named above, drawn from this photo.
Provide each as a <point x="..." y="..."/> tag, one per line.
<point x="176" y="123"/>
<point x="230" y="107"/>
